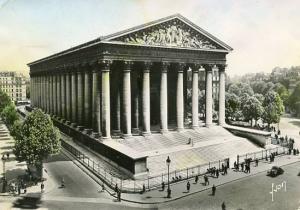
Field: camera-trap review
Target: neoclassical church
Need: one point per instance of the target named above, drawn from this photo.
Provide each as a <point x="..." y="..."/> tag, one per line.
<point x="128" y="81"/>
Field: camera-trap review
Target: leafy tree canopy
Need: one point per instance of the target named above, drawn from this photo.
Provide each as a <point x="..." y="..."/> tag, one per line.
<point x="273" y="106"/>
<point x="4" y="100"/>
<point x="9" y="114"/>
<point x="37" y="139"/>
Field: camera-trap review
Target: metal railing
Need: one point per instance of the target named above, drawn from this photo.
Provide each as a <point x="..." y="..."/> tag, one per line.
<point x="153" y="182"/>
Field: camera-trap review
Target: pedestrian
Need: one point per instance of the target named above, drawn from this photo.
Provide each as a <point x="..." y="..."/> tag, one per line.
<point x="213" y="189"/>
<point x="19" y="189"/>
<point x="217" y="173"/>
<point x="119" y="195"/>
<point x="63" y="182"/>
<point x="7" y="155"/>
<point x="144" y="188"/>
<point x="223" y="206"/>
<point x="256" y="162"/>
<point x="242" y="166"/>
<point x="196" y="179"/>
<point x="207" y="181"/>
<point x="249" y="168"/>
<point x="25" y="188"/>
<point x="42" y="187"/>
<point x="102" y="187"/>
<point x="163" y="186"/>
<point x="225" y="170"/>
<point x="234" y="165"/>
<point x="116" y="188"/>
<point x="188" y="186"/>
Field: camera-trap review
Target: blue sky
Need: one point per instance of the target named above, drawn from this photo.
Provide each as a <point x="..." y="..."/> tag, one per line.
<point x="263" y="33"/>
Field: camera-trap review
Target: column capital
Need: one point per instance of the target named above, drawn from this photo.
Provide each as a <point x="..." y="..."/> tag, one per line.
<point x="127" y="66"/>
<point x="195" y="67"/>
<point x="180" y="67"/>
<point x="147" y="66"/>
<point x="105" y="65"/>
<point x="165" y="66"/>
<point x="221" y="67"/>
<point x="208" y="67"/>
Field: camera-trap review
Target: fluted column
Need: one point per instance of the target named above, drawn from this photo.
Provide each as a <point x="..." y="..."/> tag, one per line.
<point x="105" y="96"/>
<point x="96" y="98"/>
<point x="74" y="97"/>
<point x="127" y="98"/>
<point x="54" y="95"/>
<point x="208" y="96"/>
<point x="51" y="94"/>
<point x="80" y="98"/>
<point x="48" y="93"/>
<point x="87" y="99"/>
<point x="68" y="97"/>
<point x="146" y="98"/>
<point x="195" y="99"/>
<point x="164" y="98"/>
<point x="58" y="92"/>
<point x="63" y="95"/>
<point x="179" y="98"/>
<point x="221" y="94"/>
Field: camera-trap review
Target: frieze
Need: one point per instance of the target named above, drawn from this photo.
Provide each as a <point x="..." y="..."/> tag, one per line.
<point x="173" y="33"/>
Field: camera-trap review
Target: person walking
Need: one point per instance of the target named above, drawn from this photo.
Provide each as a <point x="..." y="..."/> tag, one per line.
<point x="63" y="182"/>
<point x="223" y="206"/>
<point x="163" y="186"/>
<point x="196" y="179"/>
<point x="213" y="189"/>
<point x="42" y="187"/>
<point x="188" y="186"/>
<point x="217" y="173"/>
<point x="119" y="195"/>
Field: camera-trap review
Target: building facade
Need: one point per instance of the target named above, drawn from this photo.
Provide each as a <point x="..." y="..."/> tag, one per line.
<point x="131" y="81"/>
<point x="14" y="85"/>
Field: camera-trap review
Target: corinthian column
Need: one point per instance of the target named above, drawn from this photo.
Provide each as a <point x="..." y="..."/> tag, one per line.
<point x="87" y="99"/>
<point x="51" y="94"/>
<point x="179" y="98"/>
<point x="68" y="96"/>
<point x="96" y="95"/>
<point x="146" y="98"/>
<point x="80" y="95"/>
<point x="127" y="98"/>
<point x="74" y="97"/>
<point x="208" y="94"/>
<point x="58" y="87"/>
<point x="105" y="95"/>
<point x="63" y="95"/>
<point x="221" y="94"/>
<point x="164" y="98"/>
<point x="195" y="100"/>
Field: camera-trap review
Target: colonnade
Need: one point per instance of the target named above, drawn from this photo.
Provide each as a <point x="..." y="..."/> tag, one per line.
<point x="81" y="96"/>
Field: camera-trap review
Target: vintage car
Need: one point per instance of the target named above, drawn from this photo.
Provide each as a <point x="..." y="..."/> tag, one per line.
<point x="275" y="171"/>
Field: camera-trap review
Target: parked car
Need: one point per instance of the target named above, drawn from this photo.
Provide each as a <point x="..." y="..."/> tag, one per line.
<point x="275" y="171"/>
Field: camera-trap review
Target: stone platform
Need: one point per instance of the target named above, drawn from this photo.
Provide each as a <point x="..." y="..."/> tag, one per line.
<point x="209" y="144"/>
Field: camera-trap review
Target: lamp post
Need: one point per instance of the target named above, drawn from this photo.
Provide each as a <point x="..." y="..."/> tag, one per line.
<point x="168" y="162"/>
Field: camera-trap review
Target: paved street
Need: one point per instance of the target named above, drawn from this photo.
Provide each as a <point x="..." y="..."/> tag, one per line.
<point x="251" y="193"/>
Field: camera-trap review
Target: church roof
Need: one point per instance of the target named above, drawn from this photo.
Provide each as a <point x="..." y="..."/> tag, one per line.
<point x="174" y="31"/>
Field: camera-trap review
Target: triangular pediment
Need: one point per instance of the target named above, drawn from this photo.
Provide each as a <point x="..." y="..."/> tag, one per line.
<point x="174" y="31"/>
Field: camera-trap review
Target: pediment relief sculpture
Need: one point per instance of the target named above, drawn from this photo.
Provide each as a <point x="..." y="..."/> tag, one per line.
<point x="171" y="34"/>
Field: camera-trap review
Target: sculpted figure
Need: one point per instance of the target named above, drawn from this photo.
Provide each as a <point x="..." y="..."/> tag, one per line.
<point x="173" y="33"/>
<point x="179" y="36"/>
<point x="162" y="35"/>
<point x="169" y="38"/>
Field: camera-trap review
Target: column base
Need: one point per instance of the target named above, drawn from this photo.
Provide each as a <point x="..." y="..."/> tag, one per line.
<point x="208" y="125"/>
<point x="105" y="137"/>
<point x="73" y="125"/>
<point x="146" y="133"/>
<point x="80" y="128"/>
<point x="163" y="131"/>
<point x="87" y="131"/>
<point x="127" y="135"/>
<point x="95" y="135"/>
<point x="68" y="122"/>
<point x="195" y="126"/>
<point x="116" y="132"/>
<point x="180" y="129"/>
<point x="222" y="124"/>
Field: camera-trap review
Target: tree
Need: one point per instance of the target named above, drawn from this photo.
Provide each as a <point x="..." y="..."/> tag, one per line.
<point x="259" y="97"/>
<point x="283" y="92"/>
<point x="232" y="105"/>
<point x="37" y="140"/>
<point x="9" y="115"/>
<point x="4" y="100"/>
<point x="234" y="89"/>
<point x="273" y="108"/>
<point x="252" y="109"/>
<point x="294" y="98"/>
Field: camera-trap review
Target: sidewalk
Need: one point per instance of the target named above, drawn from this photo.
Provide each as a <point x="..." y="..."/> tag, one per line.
<point x="15" y="169"/>
<point x="179" y="188"/>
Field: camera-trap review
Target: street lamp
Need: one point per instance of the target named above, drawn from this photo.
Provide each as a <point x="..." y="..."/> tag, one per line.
<point x="168" y="162"/>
